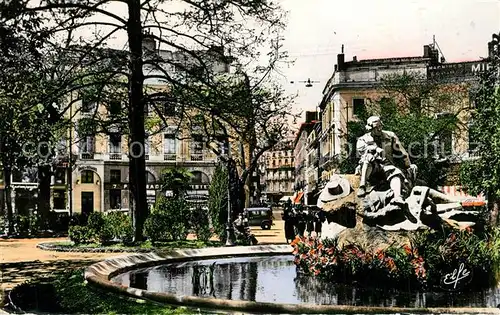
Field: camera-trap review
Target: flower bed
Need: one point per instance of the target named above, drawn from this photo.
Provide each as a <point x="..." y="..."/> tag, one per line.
<point x="421" y="264"/>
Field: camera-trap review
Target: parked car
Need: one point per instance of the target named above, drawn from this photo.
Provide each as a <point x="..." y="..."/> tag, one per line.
<point x="261" y="216"/>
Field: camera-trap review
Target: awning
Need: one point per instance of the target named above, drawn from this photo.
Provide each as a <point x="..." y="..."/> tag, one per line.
<point x="298" y="197"/>
<point x="466" y="199"/>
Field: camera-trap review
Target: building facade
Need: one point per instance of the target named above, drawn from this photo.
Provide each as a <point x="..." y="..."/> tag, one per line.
<point x="355" y="84"/>
<point x="301" y="154"/>
<point x="93" y="174"/>
<point x="279" y="171"/>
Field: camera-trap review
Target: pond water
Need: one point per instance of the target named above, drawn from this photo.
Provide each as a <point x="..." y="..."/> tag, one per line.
<point x="274" y="279"/>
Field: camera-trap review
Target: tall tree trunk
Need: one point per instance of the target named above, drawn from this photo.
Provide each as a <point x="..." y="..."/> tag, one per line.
<point x="494" y="208"/>
<point x="137" y="164"/>
<point x="8" y="199"/>
<point x="44" y="174"/>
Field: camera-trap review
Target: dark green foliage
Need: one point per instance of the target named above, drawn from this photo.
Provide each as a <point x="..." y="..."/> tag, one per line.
<point x="482" y="175"/>
<point x="217" y="201"/>
<point x="169" y="220"/>
<point x="200" y="222"/>
<point x="80" y="234"/>
<point x="177" y="180"/>
<point x="120" y="225"/>
<point x="96" y="221"/>
<point x="103" y="228"/>
<point x="67" y="293"/>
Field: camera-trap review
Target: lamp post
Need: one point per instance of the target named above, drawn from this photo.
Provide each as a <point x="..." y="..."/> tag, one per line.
<point x="229" y="223"/>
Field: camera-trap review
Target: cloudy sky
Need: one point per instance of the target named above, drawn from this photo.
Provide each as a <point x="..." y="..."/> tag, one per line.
<point x="377" y="29"/>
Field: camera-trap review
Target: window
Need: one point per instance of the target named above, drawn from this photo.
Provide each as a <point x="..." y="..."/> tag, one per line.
<point x="358" y="106"/>
<point x="87" y="177"/>
<point x="197" y="145"/>
<point x="170" y="144"/>
<point x="115" y="143"/>
<point x="59" y="199"/>
<point x="88" y="105"/>
<point x="87" y="144"/>
<point x="115" y="198"/>
<point x="60" y="176"/>
<point x="115" y="176"/>
<point x="115" y="108"/>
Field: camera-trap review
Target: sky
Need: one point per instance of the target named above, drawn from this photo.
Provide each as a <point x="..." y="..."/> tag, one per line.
<point x="378" y="29"/>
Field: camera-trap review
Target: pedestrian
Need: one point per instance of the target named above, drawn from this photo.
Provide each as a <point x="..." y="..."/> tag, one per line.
<point x="309" y="216"/>
<point x="301" y="221"/>
<point x="289" y="218"/>
<point x="319" y="218"/>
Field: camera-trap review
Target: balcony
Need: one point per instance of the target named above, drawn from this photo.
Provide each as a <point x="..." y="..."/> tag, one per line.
<point x="146" y="157"/>
<point x="169" y="157"/>
<point x="197" y="157"/>
<point x="115" y="156"/>
<point x="87" y="156"/>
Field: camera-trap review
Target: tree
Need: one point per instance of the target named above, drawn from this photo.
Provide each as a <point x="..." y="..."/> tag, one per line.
<point x="177" y="180"/>
<point x="217" y="201"/>
<point x="481" y="174"/>
<point x="249" y="120"/>
<point x="423" y="114"/>
<point x="184" y="25"/>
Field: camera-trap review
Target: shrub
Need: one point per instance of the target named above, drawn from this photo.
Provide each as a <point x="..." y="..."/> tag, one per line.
<point x="120" y="225"/>
<point x="96" y="221"/>
<point x="169" y="220"/>
<point x="422" y="264"/>
<point x="200" y="222"/>
<point x="80" y="234"/>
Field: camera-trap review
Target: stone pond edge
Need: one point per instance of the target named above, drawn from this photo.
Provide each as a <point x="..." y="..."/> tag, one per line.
<point x="99" y="274"/>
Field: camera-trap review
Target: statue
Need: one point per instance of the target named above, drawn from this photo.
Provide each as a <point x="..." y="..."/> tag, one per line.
<point x="387" y="175"/>
<point x="388" y="197"/>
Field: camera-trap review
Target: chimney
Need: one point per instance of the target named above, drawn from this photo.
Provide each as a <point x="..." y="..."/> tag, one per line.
<point x="340" y="62"/>
<point x="310" y="116"/>
<point x="427" y="51"/>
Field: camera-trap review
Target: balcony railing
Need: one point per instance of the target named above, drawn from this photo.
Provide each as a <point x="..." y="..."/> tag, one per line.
<point x="197" y="157"/>
<point x="115" y="156"/>
<point x="169" y="157"/>
<point x="87" y="156"/>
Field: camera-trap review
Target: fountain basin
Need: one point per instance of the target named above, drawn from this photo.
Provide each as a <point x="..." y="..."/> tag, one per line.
<point x="100" y="274"/>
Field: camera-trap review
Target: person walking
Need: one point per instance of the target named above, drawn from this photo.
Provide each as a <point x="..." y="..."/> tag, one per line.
<point x="309" y="216"/>
<point x="319" y="218"/>
<point x="301" y="221"/>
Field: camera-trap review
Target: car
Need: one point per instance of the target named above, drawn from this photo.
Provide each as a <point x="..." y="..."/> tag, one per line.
<point x="260" y="216"/>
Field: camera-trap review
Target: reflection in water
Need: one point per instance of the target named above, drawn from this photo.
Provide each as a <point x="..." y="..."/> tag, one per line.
<point x="274" y="279"/>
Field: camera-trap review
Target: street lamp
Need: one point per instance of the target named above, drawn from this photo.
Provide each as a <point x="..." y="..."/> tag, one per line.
<point x="229" y="223"/>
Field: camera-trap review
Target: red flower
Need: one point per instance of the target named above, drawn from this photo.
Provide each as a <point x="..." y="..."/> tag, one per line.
<point x="407" y="249"/>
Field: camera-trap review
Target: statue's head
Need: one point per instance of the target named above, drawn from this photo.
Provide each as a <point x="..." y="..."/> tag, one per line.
<point x="374" y="125"/>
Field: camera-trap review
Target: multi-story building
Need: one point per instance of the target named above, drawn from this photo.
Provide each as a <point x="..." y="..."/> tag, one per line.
<point x="279" y="171"/>
<point x="99" y="179"/>
<point x="301" y="155"/>
<point x="312" y="171"/>
<point x="354" y="84"/>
